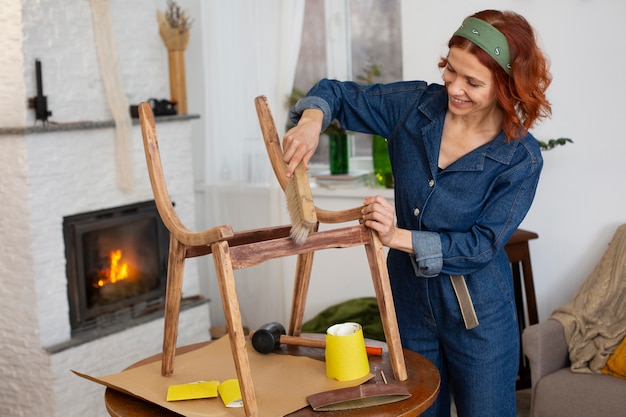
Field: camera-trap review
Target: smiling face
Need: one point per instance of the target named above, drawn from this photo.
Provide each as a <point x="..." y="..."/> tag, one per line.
<point x="470" y="85"/>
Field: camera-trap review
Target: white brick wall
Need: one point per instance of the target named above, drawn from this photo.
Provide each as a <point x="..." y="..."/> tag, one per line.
<point x="59" y="33"/>
<point x="24" y="367"/>
<point x="12" y="87"/>
<point x="44" y="177"/>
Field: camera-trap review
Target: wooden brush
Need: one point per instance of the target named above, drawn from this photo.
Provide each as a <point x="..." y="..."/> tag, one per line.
<point x="300" y="205"/>
<point x="297" y="190"/>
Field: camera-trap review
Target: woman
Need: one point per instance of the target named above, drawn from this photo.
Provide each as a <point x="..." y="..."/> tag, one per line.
<point x="466" y="170"/>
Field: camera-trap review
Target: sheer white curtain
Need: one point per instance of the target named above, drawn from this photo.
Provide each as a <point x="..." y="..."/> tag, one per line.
<point x="251" y="49"/>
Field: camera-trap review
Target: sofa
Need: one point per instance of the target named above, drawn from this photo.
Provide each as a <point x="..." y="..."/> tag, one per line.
<point x="577" y="357"/>
<point x="556" y="390"/>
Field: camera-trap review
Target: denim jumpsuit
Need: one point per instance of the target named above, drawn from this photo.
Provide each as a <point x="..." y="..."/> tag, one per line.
<point x="460" y="219"/>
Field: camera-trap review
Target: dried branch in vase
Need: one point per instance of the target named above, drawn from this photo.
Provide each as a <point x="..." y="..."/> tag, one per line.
<point x="174" y="27"/>
<point x="177" y="18"/>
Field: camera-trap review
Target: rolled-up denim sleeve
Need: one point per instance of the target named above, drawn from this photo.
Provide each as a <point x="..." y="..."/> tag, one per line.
<point x="428" y="259"/>
<point x="311" y="102"/>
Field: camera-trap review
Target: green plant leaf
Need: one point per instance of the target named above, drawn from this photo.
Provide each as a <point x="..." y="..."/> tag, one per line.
<point x="553" y="143"/>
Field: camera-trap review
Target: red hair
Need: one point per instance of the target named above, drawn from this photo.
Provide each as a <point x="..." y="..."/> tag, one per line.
<point x="522" y="93"/>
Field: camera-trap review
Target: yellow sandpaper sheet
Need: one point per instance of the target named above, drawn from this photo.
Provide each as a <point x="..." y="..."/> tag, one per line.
<point x="282" y="382"/>
<point x="192" y="391"/>
<point x="230" y="393"/>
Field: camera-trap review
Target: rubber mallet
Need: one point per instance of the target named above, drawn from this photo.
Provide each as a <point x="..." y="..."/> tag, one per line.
<point x="269" y="337"/>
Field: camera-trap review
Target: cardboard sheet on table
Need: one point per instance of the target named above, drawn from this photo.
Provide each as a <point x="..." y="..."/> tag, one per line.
<point x="281" y="382"/>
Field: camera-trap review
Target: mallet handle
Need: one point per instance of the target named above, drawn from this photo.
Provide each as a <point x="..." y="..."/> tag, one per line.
<point x="316" y="343"/>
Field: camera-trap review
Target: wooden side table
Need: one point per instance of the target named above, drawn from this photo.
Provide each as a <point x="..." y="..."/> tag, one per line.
<point x="423" y="384"/>
<point x="519" y="255"/>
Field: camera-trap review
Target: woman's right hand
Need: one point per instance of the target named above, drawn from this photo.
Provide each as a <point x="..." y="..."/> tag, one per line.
<point x="301" y="141"/>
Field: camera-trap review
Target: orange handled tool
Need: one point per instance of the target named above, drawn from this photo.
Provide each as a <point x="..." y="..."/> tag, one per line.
<point x="269" y="337"/>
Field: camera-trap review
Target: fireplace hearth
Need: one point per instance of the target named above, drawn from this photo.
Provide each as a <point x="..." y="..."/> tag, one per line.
<point x="116" y="263"/>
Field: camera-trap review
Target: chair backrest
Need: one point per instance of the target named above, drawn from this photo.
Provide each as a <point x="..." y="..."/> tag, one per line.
<point x="159" y="188"/>
<point x="275" y="153"/>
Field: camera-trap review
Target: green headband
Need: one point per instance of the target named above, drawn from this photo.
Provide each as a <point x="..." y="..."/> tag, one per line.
<point x="488" y="38"/>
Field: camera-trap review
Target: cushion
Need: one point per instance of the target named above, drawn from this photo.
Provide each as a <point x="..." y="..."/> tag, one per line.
<point x="359" y="310"/>
<point x="616" y="364"/>
<point x="568" y="394"/>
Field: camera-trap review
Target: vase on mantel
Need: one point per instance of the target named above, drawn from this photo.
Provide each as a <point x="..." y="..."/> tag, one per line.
<point x="176" y="42"/>
<point x="338" y="153"/>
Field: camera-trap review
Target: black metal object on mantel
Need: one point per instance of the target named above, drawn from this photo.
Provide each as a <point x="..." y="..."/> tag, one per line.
<point x="39" y="102"/>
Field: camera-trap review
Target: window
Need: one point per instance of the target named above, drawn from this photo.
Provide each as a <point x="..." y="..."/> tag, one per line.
<point x="342" y="39"/>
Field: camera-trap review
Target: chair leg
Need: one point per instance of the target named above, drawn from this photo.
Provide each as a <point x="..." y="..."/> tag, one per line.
<point x="304" y="266"/>
<point x="173" y="294"/>
<point x="232" y="313"/>
<point x="382" y="287"/>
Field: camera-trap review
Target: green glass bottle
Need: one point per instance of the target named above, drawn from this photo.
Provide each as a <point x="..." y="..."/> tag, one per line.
<point x="382" y="165"/>
<point x="338" y="152"/>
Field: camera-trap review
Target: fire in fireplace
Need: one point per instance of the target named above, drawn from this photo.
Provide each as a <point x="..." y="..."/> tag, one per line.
<point x="116" y="265"/>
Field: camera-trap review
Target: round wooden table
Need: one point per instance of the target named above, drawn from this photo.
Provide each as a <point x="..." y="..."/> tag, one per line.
<point x="422" y="383"/>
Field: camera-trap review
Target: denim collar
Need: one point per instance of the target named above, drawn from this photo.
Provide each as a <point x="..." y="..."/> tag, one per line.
<point x="434" y="107"/>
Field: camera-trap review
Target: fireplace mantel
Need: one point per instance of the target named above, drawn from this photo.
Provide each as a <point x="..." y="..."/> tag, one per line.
<point x="84" y="125"/>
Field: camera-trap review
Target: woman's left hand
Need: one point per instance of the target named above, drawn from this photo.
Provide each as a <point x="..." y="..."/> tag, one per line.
<point x="380" y="215"/>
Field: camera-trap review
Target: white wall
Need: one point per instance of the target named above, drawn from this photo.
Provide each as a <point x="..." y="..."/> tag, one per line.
<point x="581" y="197"/>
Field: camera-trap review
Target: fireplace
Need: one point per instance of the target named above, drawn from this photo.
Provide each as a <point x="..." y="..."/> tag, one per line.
<point x="116" y="262"/>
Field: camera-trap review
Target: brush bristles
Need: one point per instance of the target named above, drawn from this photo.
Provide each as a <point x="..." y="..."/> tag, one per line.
<point x="299" y="235"/>
<point x="300" y="227"/>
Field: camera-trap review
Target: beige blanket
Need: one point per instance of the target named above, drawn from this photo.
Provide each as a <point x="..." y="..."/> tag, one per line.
<point x="595" y="318"/>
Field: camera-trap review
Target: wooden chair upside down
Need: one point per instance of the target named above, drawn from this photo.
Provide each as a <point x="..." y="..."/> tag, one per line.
<point x="236" y="250"/>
